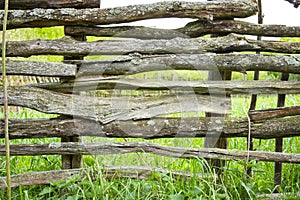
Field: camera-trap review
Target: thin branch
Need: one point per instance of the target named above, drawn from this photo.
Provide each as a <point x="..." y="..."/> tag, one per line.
<point x="191" y="30"/>
<point x="107" y="148"/>
<point x="5" y="101"/>
<point x="207" y="10"/>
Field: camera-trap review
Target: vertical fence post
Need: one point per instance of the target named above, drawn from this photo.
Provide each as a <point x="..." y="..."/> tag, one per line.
<point x="72" y="161"/>
<point x="256" y="77"/>
<point x="211" y="141"/>
<point x="279" y="141"/>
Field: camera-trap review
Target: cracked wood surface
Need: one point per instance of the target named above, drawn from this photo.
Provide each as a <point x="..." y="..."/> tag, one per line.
<point x="226" y="44"/>
<point x="106" y="109"/>
<point x="209" y="61"/>
<point x="95" y="16"/>
<point x="105" y="148"/>
<point x="204" y="87"/>
<point x="31" y="4"/>
<point x="192" y="127"/>
<point x="193" y="29"/>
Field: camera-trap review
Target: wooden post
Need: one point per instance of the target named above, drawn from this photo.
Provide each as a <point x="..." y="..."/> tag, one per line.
<point x="72" y="161"/>
<point x="256" y="77"/>
<point x="279" y="141"/>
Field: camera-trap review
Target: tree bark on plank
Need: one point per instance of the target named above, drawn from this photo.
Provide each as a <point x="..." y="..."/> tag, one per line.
<point x="106" y="110"/>
<point x="226" y="44"/>
<point x="204" y="87"/>
<point x="223" y="62"/>
<point x="66" y="16"/>
<point x="127" y="65"/>
<point x="31" y="4"/>
<point x="191" y="30"/>
<point x="106" y="148"/>
<point x="111" y="172"/>
<point x="193" y="127"/>
<point x="257" y="115"/>
<point x="30" y="68"/>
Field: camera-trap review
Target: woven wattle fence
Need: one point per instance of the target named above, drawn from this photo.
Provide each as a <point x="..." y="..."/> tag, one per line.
<point x="139" y="50"/>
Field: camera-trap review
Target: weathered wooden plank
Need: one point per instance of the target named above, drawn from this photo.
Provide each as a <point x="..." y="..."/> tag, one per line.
<point x="31" y="4"/>
<point x="209" y="61"/>
<point x="67" y="16"/>
<point x="108" y="109"/>
<point x="296" y="3"/>
<point x="109" y="172"/>
<point x="193" y="29"/>
<point x="211" y="87"/>
<point x="154" y="128"/>
<point x="142" y="147"/>
<point x="40" y="69"/>
<point x="225" y="44"/>
<point x="257" y="115"/>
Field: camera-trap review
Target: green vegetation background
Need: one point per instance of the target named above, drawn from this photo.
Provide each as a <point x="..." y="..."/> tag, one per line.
<point x="233" y="184"/>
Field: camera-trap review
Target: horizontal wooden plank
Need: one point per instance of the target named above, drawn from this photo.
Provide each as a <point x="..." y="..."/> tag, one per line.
<point x="67" y="16"/>
<point x="31" y="4"/>
<point x="154" y="128"/>
<point x="193" y="29"/>
<point x="109" y="172"/>
<point x="208" y="61"/>
<point x="142" y="147"/>
<point x="107" y="109"/>
<point x="211" y="87"/>
<point x="71" y="47"/>
<point x="257" y="115"/>
<point x="30" y="68"/>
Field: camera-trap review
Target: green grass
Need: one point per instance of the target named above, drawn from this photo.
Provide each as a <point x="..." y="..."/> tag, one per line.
<point x="233" y="184"/>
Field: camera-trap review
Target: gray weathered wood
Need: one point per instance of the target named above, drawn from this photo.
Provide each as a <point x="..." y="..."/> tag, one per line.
<point x="40" y="69"/>
<point x="257" y="115"/>
<point x="211" y="87"/>
<point x="31" y="4"/>
<point x="142" y="147"/>
<point x="223" y="62"/>
<point x="153" y="128"/>
<point x="109" y="172"/>
<point x="108" y="109"/>
<point x="225" y="44"/>
<point x="68" y="16"/>
<point x="191" y="30"/>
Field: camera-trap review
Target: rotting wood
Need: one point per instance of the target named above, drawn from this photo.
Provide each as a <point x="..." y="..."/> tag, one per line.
<point x="30" y="68"/>
<point x="106" y="148"/>
<point x="205" y="87"/>
<point x="109" y="172"/>
<point x="108" y="109"/>
<point x="224" y="44"/>
<point x="193" y="29"/>
<point x="68" y="16"/>
<point x="31" y="4"/>
<point x="209" y="61"/>
<point x="257" y="115"/>
<point x="154" y="128"/>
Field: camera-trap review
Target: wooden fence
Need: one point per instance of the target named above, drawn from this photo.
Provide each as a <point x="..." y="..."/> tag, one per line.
<point x="143" y="50"/>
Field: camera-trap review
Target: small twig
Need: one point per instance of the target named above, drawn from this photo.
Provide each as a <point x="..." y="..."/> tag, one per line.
<point x="7" y="145"/>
